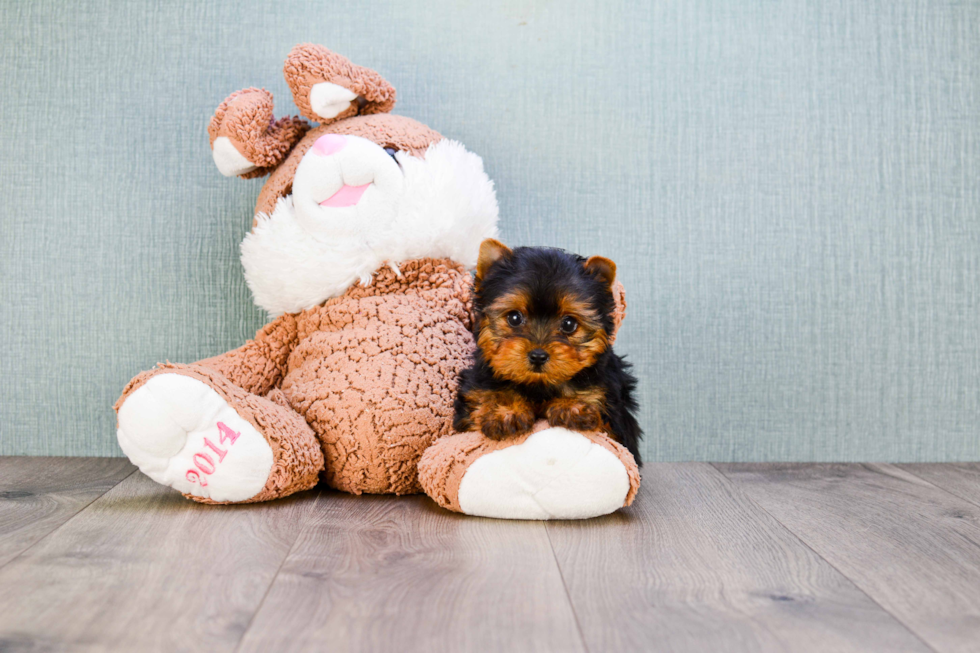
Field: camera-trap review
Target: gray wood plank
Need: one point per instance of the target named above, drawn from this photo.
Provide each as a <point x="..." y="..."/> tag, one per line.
<point x="143" y="569"/>
<point x="912" y="547"/>
<point x="694" y="565"/>
<point x="400" y="574"/>
<point x="961" y="479"/>
<point x="37" y="495"/>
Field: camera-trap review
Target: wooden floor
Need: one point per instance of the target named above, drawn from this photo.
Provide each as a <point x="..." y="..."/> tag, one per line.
<point x="95" y="556"/>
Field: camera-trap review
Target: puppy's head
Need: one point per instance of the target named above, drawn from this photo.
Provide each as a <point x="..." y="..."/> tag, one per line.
<point x="544" y="314"/>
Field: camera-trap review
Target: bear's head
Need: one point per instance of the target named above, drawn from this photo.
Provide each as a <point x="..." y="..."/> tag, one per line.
<point x="364" y="189"/>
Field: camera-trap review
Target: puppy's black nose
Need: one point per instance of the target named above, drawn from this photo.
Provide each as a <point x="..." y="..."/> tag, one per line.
<point x="538" y="356"/>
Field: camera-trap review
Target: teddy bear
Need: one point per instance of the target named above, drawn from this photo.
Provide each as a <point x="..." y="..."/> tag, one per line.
<point x="361" y="251"/>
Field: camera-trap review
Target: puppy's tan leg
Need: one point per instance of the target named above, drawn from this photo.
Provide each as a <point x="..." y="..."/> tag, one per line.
<point x="500" y="413"/>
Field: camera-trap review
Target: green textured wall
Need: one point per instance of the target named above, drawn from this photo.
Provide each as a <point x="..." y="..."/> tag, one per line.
<point x="790" y="190"/>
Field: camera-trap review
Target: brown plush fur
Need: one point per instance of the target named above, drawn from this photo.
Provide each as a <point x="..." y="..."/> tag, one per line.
<point x="374" y="373"/>
<point x="310" y="64"/>
<point x="357" y="387"/>
<point x="245" y="117"/>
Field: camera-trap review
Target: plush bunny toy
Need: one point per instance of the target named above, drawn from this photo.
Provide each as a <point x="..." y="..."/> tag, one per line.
<point x="363" y="238"/>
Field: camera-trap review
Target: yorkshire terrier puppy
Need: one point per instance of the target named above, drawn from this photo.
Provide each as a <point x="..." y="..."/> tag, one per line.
<point x="544" y="319"/>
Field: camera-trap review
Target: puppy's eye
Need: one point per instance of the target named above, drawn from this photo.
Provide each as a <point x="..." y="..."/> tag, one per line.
<point x="515" y="318"/>
<point x="391" y="151"/>
<point x="568" y="325"/>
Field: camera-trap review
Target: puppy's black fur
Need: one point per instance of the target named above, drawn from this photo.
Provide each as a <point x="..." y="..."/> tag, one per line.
<point x="503" y="391"/>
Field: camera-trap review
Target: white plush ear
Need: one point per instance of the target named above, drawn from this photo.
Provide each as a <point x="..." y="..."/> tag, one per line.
<point x="229" y="160"/>
<point x="329" y="100"/>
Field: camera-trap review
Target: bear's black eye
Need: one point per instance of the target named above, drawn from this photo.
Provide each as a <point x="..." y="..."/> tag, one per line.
<point x="391" y="151"/>
<point x="515" y="318"/>
<point x="568" y="325"/>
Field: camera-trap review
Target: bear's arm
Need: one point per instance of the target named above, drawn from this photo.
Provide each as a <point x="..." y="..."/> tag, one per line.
<point x="258" y="365"/>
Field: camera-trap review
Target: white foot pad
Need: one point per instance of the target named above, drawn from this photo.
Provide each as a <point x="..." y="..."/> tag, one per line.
<point x="554" y="474"/>
<point x="181" y="433"/>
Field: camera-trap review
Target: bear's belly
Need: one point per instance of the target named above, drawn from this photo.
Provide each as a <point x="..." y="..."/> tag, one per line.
<point x="378" y="389"/>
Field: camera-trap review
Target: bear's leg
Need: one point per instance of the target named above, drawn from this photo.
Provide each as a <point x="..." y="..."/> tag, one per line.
<point x="188" y="427"/>
<point x="550" y="473"/>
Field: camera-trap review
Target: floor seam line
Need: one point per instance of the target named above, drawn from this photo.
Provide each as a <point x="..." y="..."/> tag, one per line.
<point x="275" y="577"/>
<point x="64" y="523"/>
<point x="806" y="544"/>
<point x="564" y="585"/>
<point x="938" y="487"/>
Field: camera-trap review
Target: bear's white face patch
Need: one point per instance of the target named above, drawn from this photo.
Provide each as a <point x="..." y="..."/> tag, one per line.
<point x="346" y="186"/>
<point x="355" y="208"/>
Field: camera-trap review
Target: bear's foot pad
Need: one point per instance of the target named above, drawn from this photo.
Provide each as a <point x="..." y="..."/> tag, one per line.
<point x="554" y="474"/>
<point x="181" y="433"/>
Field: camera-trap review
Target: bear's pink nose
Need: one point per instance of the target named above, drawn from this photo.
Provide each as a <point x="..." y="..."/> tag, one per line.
<point x="329" y="144"/>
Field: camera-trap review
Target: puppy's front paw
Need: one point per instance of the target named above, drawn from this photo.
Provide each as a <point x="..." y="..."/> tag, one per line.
<point x="574" y="414"/>
<point x="499" y="413"/>
<point x="506" y="421"/>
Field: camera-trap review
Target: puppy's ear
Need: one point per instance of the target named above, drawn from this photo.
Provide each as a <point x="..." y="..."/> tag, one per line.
<point x="619" y="308"/>
<point x="491" y="251"/>
<point x="602" y="269"/>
